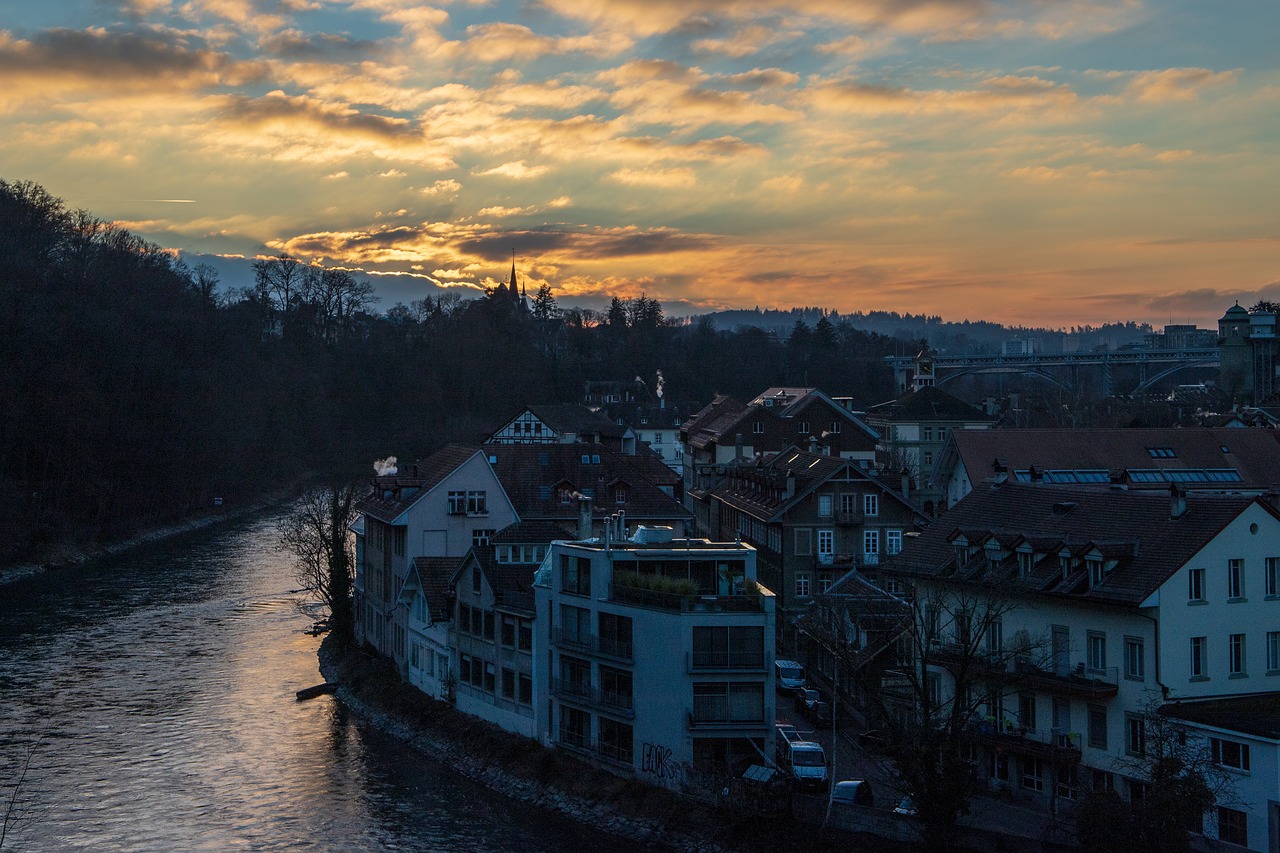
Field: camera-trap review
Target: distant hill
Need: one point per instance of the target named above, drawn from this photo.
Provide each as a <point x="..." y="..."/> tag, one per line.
<point x="944" y="336"/>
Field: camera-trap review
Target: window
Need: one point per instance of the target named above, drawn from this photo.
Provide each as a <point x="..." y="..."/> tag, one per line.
<point x="824" y="506"/>
<point x="575" y="676"/>
<point x="616" y="740"/>
<point x="1161" y="453"/>
<point x="400" y="537"/>
<point x="524" y="636"/>
<point x="1095" y="571"/>
<point x="575" y="727"/>
<point x="728" y="702"/>
<point x="1233" y="826"/>
<point x="475" y="580"/>
<point x="508" y="683"/>
<point x="615" y="687"/>
<point x="871" y="545"/>
<point x="508" y="630"/>
<point x="728" y="647"/>
<point x="575" y="575"/>
<point x="824" y="584"/>
<point x="926" y="459"/>
<point x="457" y="503"/>
<point x="1025" y="561"/>
<point x="525" y="685"/>
<point x="1033" y="773"/>
<point x="481" y="536"/>
<point x="871" y="504"/>
<point x="835" y="427"/>
<point x="995" y="636"/>
<point x="1235" y="654"/>
<point x="848" y="504"/>
<point x="1273" y="652"/>
<point x="1135" y="742"/>
<point x="926" y="433"/>
<point x="1271" y="576"/>
<point x="1198" y="657"/>
<point x="1098" y="726"/>
<point x="757" y="428"/>
<point x="802" y="584"/>
<point x="893" y="541"/>
<point x="804" y="542"/>
<point x="1195" y="585"/>
<point x="1229" y="753"/>
<point x="1134" y="658"/>
<point x="804" y="428"/>
<point x="826" y="545"/>
<point x="1235" y="579"/>
<point x="575" y="625"/>
<point x="1027" y="711"/>
<point x="1097" y="650"/>
<point x="615" y="635"/>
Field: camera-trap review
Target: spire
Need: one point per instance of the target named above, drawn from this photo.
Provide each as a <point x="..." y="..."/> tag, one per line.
<point x="512" y="289"/>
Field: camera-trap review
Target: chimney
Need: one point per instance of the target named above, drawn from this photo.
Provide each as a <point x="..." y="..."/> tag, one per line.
<point x="584" y="517"/>
<point x="1036" y="476"/>
<point x="1001" y="471"/>
<point x="737" y="447"/>
<point x="621" y="516"/>
<point x="1177" y="501"/>
<point x="813" y="445"/>
<point x="790" y="491"/>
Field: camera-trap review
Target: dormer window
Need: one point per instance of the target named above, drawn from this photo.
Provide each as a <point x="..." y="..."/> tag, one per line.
<point x="1095" y="567"/>
<point x="620" y="493"/>
<point x="804" y="427"/>
<point x="1026" y="560"/>
<point x="1064" y="563"/>
<point x="1161" y="453"/>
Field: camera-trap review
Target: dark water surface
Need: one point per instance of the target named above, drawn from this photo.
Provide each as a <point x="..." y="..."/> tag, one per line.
<point x="154" y="696"/>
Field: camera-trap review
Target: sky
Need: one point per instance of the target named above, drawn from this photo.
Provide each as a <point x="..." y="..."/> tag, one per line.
<point x="1039" y="162"/>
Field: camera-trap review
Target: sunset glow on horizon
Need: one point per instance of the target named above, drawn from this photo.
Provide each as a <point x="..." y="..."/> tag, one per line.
<point x="1021" y="161"/>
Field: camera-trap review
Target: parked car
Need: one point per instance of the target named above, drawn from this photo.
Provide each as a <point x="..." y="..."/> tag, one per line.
<point x="819" y="713"/>
<point x="906" y="806"/>
<point x="853" y="792"/>
<point x="804" y="696"/>
<point x="789" y="676"/>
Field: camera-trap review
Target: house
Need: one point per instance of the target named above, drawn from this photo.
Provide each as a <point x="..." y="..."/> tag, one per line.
<point x="440" y="507"/>
<point x="428" y="598"/>
<point x="544" y="481"/>
<point x="812" y="518"/>
<point x="656" y="659"/>
<point x="727" y="431"/>
<point x="656" y="426"/>
<point x="1199" y="459"/>
<point x="563" y="423"/>
<point x="913" y="429"/>
<point x="493" y="636"/>
<point x="1138" y="599"/>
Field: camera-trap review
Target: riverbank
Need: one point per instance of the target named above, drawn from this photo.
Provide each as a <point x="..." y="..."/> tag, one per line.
<point x="78" y="552"/>
<point x="551" y="779"/>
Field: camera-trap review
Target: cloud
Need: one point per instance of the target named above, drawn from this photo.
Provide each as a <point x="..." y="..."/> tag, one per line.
<point x="1176" y="84"/>
<point x="498" y="211"/>
<point x="660" y="178"/>
<point x="442" y="187"/>
<point x="517" y="171"/>
<point x="329" y="47"/>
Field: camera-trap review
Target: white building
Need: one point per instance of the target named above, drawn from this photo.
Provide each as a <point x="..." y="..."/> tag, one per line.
<point x="653" y="656"/>
<point x="1141" y="601"/>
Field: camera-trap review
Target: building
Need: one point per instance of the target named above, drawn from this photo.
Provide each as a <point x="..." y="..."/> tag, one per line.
<point x="913" y="431"/>
<point x="1113" y="604"/>
<point x="563" y="423"/>
<point x="811" y="518"/>
<point x="653" y="656"/>
<point x="1248" y="344"/>
<point x="1219" y="459"/>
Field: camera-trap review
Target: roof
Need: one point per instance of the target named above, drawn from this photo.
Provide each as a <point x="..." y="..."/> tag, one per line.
<point x="436" y="575"/>
<point x="530" y="533"/>
<point x="760" y="489"/>
<point x="392" y="494"/>
<point x="512" y="583"/>
<point x="1143" y="545"/>
<point x="1253" y="454"/>
<point x="929" y="403"/>
<point x="1254" y="715"/>
<point x="779" y="410"/>
<point x="575" y="418"/>
<point x="532" y="475"/>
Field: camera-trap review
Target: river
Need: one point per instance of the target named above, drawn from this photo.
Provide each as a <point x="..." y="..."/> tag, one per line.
<point x="151" y="698"/>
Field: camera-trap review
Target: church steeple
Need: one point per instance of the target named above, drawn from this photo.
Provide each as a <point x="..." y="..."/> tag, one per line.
<point x="512" y="288"/>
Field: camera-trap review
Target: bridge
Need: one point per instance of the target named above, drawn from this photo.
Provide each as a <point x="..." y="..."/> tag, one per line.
<point x="1153" y="365"/>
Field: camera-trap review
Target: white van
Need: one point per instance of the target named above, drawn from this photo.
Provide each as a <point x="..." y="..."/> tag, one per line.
<point x="789" y="676"/>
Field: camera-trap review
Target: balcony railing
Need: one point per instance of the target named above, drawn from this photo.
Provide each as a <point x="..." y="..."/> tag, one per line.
<point x="622" y="754"/>
<point x="726" y="660"/>
<point x="701" y="719"/>
<point x="1054" y="745"/>
<point x="620" y="650"/>
<point x="512" y="600"/>
<point x="622" y="704"/>
<point x="1080" y="681"/>
<point x="746" y="603"/>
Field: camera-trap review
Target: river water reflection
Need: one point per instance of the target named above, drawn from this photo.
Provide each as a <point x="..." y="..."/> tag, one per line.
<point x="154" y="694"/>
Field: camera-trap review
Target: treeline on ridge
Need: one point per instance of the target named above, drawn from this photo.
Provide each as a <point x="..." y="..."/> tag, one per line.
<point x="136" y="391"/>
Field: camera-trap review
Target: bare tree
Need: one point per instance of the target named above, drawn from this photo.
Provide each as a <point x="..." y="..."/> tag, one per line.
<point x="953" y="670"/>
<point x="11" y="807"/>
<point x="316" y="533"/>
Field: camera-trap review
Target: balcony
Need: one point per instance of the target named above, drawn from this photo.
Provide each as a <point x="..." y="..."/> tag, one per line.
<point x="620" y="704"/>
<point x="701" y="722"/>
<point x="613" y="754"/>
<point x="1081" y="683"/>
<point x="521" y="602"/>
<point x="618" y="650"/>
<point x="1059" y="747"/>
<point x="726" y="661"/>
<point x="681" y="602"/>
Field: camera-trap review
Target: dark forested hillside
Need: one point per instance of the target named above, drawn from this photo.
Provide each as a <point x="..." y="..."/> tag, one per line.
<point x="130" y="394"/>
